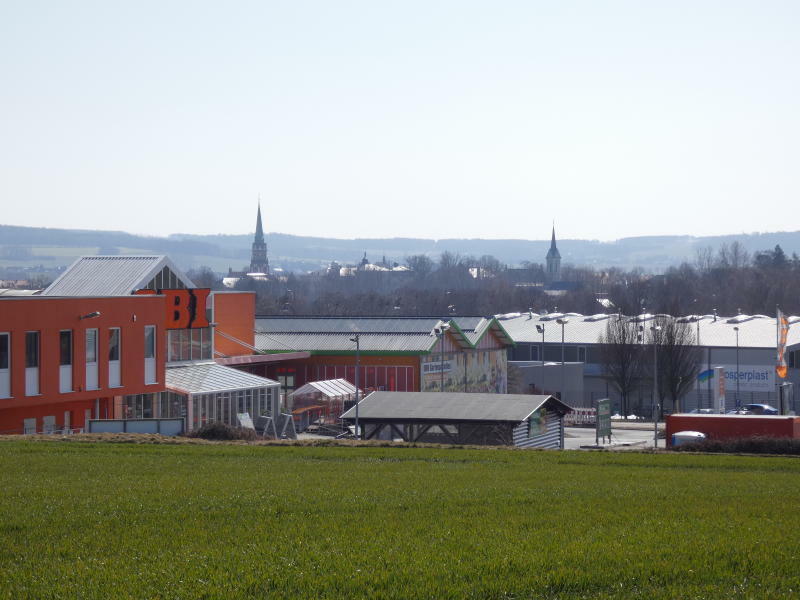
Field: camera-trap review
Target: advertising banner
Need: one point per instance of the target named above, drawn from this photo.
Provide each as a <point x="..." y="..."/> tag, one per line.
<point x="752" y="378"/>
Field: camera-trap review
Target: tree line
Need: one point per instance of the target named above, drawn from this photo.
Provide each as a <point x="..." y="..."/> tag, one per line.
<point x="728" y="280"/>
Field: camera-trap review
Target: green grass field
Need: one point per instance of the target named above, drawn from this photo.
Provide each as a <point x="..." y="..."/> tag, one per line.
<point x="81" y="520"/>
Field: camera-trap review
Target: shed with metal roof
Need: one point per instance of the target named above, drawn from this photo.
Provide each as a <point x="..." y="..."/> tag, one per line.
<point x="521" y="420"/>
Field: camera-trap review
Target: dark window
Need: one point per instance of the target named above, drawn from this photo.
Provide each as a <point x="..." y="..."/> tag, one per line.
<point x="65" y="348"/>
<point x="3" y="350"/>
<point x="113" y="343"/>
<point x="31" y="349"/>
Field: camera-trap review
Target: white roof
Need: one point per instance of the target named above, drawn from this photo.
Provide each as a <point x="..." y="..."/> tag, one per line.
<point x="209" y="377"/>
<point x="111" y="275"/>
<point x="332" y="388"/>
<point x="755" y="331"/>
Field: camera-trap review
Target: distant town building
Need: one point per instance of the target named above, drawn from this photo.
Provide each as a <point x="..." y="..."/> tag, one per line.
<point x="259" y="263"/>
<point x="553" y="260"/>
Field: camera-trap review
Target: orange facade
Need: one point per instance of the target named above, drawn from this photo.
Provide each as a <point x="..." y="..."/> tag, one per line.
<point x="67" y="358"/>
<point x="234" y="317"/>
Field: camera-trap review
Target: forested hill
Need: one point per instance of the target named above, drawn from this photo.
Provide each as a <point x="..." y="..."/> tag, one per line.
<point x="55" y="247"/>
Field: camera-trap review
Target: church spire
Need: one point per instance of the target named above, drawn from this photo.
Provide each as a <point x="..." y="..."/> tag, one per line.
<point x="553" y="260"/>
<point x="258" y="259"/>
<point x="259" y="229"/>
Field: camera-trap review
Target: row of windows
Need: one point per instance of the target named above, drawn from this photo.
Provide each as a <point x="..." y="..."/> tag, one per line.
<point x="65" y="353"/>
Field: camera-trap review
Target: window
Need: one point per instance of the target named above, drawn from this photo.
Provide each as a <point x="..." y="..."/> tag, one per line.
<point x="65" y="348"/>
<point x="150" y="341"/>
<point x="188" y="344"/>
<point x="4" y="350"/>
<point x="149" y="354"/>
<point x="5" y="360"/>
<point x="114" y="374"/>
<point x="31" y="363"/>
<point x="31" y="349"/>
<point x="91" y="345"/>
<point x="113" y="343"/>
<point x="92" y="374"/>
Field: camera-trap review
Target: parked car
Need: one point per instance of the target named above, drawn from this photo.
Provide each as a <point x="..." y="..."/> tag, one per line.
<point x="703" y="411"/>
<point x="759" y="409"/>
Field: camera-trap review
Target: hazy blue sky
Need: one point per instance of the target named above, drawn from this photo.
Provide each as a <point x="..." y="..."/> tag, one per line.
<point x="414" y="119"/>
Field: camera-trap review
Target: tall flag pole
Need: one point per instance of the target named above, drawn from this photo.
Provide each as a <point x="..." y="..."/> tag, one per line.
<point x="783" y="333"/>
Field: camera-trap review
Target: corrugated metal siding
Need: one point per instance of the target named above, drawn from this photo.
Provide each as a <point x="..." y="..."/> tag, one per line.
<point x="551" y="439"/>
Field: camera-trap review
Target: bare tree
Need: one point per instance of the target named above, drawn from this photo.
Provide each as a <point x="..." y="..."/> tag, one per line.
<point x="621" y="354"/>
<point x="678" y="359"/>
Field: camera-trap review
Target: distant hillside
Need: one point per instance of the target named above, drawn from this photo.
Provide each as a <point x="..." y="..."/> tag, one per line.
<point x="29" y="246"/>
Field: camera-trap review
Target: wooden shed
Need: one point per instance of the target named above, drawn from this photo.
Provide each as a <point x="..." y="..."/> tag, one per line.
<point x="520" y="420"/>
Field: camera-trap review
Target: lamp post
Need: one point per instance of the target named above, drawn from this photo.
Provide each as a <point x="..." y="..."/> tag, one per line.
<point x="562" y="321"/>
<point x="653" y="330"/>
<point x="356" y="339"/>
<point x="736" y="329"/>
<point x="440" y="330"/>
<point x="540" y="329"/>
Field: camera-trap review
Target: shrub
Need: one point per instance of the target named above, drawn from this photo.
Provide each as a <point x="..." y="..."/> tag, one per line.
<point x="216" y="430"/>
<point x="748" y="445"/>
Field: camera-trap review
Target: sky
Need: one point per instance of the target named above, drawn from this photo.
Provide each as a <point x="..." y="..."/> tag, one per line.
<point x="431" y="119"/>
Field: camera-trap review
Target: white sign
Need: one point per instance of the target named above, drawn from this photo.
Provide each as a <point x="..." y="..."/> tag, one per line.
<point x="718" y="386"/>
<point x="436" y="367"/>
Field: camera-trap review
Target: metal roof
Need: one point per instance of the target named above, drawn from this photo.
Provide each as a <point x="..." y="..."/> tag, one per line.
<point x="376" y="334"/>
<point x="111" y="275"/>
<point x="13" y="292"/>
<point x="423" y="325"/>
<point x="340" y="342"/>
<point x="451" y="406"/>
<point x="755" y="331"/>
<point x="209" y="377"/>
<point x="332" y="388"/>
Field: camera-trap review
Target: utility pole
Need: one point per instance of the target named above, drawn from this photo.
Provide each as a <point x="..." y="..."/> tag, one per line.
<point x="356" y="339"/>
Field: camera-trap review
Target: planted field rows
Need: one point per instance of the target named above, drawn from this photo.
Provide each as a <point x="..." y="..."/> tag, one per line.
<point x="148" y="521"/>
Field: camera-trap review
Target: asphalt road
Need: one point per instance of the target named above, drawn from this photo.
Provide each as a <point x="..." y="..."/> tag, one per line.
<point x="621" y="437"/>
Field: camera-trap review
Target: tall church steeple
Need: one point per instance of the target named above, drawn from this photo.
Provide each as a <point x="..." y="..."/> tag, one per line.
<point x="258" y="258"/>
<point x="553" y="260"/>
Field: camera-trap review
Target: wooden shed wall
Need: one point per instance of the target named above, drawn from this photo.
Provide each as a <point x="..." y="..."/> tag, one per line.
<point x="550" y="439"/>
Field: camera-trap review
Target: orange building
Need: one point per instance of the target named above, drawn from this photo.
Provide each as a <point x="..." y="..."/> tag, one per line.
<point x="126" y="337"/>
<point x="63" y="360"/>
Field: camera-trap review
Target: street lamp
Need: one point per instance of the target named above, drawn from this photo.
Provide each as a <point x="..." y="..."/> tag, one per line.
<point x="653" y="330"/>
<point x="356" y="338"/>
<point x="440" y="330"/>
<point x="540" y="329"/>
<point x="562" y="321"/>
<point x="736" y="329"/>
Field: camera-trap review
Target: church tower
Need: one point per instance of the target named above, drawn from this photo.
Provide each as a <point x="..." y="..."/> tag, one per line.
<point x="553" y="261"/>
<point x="258" y="259"/>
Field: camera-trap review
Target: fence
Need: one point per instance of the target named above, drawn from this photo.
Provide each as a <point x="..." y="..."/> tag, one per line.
<point x="581" y="416"/>
<point x="162" y="426"/>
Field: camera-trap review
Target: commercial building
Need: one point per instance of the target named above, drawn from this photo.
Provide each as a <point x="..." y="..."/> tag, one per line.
<point x="394" y="353"/>
<point x="745" y="345"/>
<point x="125" y="337"/>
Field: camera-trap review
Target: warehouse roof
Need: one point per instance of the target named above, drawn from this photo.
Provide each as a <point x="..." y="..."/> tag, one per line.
<point x="112" y="275"/>
<point x="451" y="406"/>
<point x="209" y="377"/>
<point x="755" y="331"/>
<point x="414" y="335"/>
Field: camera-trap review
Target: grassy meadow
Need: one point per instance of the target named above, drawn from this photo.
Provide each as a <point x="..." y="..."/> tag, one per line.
<point x="95" y="520"/>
